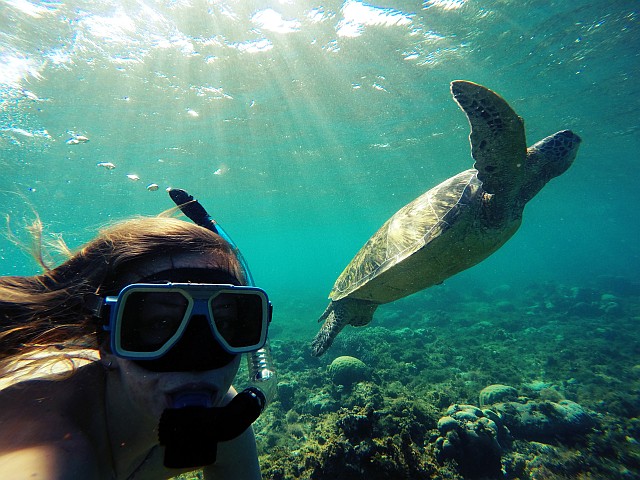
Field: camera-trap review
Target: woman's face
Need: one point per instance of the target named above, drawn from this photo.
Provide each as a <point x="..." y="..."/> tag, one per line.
<point x="154" y="391"/>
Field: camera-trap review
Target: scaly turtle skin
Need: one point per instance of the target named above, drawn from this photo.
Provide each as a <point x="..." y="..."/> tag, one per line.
<point x="456" y="224"/>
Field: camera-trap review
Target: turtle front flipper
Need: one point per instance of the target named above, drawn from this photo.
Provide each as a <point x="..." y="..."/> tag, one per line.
<point x="343" y="312"/>
<point x="498" y="143"/>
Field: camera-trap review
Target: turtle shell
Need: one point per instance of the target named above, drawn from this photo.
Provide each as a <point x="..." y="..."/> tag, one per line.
<point x="423" y="243"/>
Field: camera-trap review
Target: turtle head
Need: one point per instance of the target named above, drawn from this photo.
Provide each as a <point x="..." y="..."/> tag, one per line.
<point x="553" y="155"/>
<point x="547" y="159"/>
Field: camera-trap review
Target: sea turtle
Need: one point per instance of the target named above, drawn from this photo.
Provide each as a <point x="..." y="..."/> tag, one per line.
<point x="456" y="224"/>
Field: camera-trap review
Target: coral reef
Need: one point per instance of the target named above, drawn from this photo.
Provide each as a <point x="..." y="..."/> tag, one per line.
<point x="516" y="378"/>
<point x="475" y="438"/>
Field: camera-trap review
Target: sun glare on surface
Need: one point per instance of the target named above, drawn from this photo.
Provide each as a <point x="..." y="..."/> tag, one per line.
<point x="253" y="86"/>
<point x="445" y="4"/>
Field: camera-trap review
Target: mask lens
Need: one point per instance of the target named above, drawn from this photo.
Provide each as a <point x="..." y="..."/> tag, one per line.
<point x="238" y="318"/>
<point x="150" y="319"/>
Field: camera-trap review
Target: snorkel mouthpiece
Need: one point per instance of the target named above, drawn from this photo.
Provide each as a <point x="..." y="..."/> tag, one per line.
<point x="191" y="398"/>
<point x="190" y="431"/>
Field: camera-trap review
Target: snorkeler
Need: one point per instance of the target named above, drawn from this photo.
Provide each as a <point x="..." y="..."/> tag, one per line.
<point x="170" y="308"/>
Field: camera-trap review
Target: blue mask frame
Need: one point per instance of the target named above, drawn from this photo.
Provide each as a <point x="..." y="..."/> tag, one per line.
<point x="195" y="299"/>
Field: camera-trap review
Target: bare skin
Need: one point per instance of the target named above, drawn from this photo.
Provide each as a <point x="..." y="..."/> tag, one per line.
<point x="101" y="423"/>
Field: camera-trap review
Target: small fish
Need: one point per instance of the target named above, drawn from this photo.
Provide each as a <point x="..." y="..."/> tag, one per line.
<point x="133" y="176"/>
<point x="76" y="139"/>
<point x="152" y="187"/>
<point x="107" y="165"/>
<point x="30" y="95"/>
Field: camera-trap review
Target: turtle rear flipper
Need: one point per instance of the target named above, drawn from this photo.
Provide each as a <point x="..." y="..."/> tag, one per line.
<point x="329" y="330"/>
<point x="498" y="143"/>
<point x="336" y="316"/>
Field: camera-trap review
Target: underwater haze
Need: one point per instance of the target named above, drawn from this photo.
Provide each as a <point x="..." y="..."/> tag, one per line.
<point x="302" y="126"/>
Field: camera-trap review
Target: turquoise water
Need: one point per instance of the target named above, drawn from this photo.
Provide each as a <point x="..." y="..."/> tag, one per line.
<point x="302" y="126"/>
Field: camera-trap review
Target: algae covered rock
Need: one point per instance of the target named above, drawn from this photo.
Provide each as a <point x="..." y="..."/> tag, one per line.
<point x="497" y="394"/>
<point x="319" y="403"/>
<point x="543" y="420"/>
<point x="363" y="443"/>
<point x="471" y="436"/>
<point x="286" y="394"/>
<point x="539" y="419"/>
<point x="347" y="370"/>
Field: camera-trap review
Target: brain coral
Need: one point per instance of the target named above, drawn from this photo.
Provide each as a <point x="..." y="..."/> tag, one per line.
<point x="348" y="370"/>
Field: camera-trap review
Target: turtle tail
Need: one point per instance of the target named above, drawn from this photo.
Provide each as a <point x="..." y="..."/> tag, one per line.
<point x="336" y="316"/>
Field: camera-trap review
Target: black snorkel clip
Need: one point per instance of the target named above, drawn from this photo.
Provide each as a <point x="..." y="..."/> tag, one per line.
<point x="190" y="430"/>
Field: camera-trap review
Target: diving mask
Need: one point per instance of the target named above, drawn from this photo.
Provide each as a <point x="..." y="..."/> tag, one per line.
<point x="148" y="319"/>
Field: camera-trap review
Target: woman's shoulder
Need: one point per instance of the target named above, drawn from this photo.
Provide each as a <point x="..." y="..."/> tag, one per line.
<point x="70" y="457"/>
<point x="43" y="428"/>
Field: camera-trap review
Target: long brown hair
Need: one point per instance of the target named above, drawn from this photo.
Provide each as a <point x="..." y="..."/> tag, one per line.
<point x="48" y="311"/>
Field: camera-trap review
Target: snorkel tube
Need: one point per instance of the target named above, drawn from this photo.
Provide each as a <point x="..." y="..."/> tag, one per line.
<point x="198" y="215"/>
<point x="191" y="429"/>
